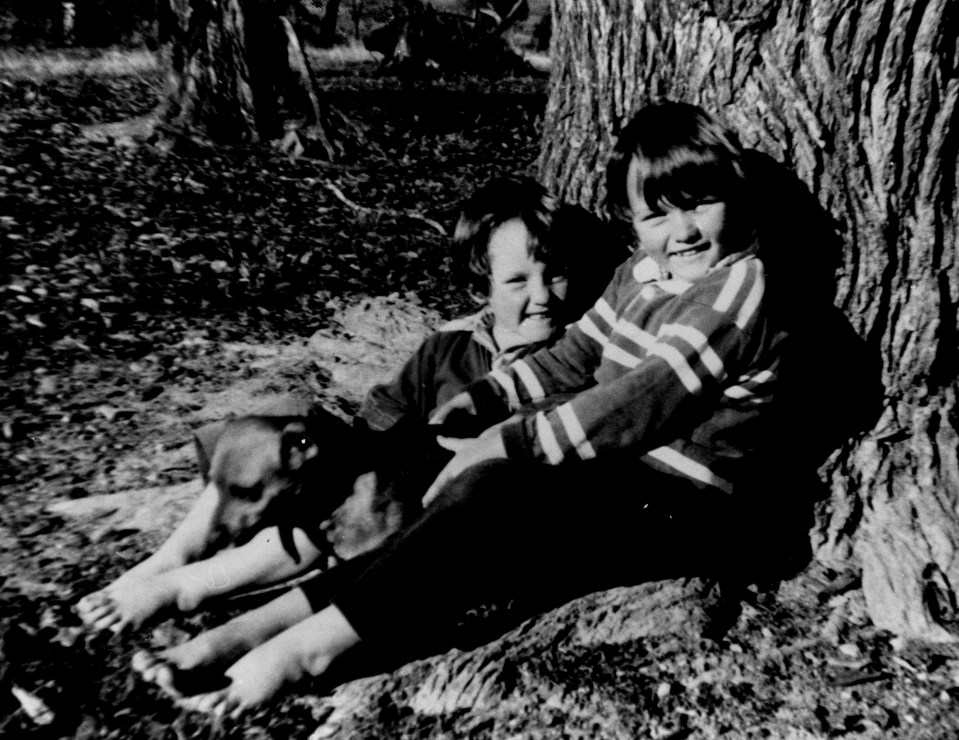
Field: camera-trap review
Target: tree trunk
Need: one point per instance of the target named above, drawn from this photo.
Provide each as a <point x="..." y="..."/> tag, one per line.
<point x="328" y="27"/>
<point x="859" y="99"/>
<point x="235" y="73"/>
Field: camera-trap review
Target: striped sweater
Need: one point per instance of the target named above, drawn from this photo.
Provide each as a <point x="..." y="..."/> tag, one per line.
<point x="679" y="373"/>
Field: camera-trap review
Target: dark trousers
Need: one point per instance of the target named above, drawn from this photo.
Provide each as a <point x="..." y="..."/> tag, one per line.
<point x="524" y="538"/>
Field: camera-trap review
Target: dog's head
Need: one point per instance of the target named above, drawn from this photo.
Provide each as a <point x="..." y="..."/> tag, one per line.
<point x="258" y="468"/>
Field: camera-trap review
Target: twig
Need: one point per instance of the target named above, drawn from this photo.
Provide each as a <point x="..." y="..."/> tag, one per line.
<point x="384" y="211"/>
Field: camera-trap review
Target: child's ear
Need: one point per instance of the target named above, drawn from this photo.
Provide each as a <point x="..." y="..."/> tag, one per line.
<point x="296" y="446"/>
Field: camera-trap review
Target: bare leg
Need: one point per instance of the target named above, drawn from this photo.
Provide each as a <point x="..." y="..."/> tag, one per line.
<point x="224" y="644"/>
<point x="306" y="649"/>
<point x="261" y="561"/>
<point x="185" y="544"/>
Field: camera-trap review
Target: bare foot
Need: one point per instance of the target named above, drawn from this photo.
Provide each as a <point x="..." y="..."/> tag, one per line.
<point x="197" y="665"/>
<point x="127" y="602"/>
<point x="111" y="607"/>
<point x="306" y="648"/>
<point x="255" y="679"/>
<point x="175" y="681"/>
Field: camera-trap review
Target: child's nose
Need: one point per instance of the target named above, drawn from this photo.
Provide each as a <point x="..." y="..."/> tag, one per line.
<point x="684" y="225"/>
<point x="538" y="290"/>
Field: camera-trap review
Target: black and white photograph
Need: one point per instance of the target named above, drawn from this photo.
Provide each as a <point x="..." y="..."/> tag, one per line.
<point x="488" y="369"/>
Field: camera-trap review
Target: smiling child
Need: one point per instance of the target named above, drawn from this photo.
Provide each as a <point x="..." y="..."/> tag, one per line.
<point x="676" y="379"/>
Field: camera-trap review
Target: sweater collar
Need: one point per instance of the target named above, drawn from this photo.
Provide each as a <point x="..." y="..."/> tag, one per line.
<point x="480" y="325"/>
<point x="647" y="270"/>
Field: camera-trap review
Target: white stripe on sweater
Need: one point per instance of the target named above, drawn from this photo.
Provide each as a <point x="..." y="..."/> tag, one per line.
<point x="690" y="468"/>
<point x="698" y="341"/>
<point x="739" y="391"/>
<point x="575" y="432"/>
<point x="621" y="356"/>
<point x="761" y="377"/>
<point x="529" y="380"/>
<point x="605" y="312"/>
<point x="748" y="309"/>
<point x="636" y="335"/>
<point x="547" y="438"/>
<point x="731" y="288"/>
<point x="677" y="362"/>
<point x="588" y="328"/>
<point x="506" y="382"/>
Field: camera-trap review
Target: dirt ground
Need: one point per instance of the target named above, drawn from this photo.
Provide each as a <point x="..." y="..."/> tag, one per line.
<point x="145" y="294"/>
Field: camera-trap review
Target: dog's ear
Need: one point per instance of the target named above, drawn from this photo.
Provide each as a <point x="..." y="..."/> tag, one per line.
<point x="205" y="440"/>
<point x="296" y="446"/>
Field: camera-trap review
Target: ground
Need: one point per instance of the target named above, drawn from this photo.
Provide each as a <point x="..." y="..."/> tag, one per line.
<point x="145" y="293"/>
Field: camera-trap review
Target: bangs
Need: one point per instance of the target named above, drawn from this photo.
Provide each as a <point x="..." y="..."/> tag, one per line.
<point x="684" y="177"/>
<point x="683" y="156"/>
<point x="541" y="248"/>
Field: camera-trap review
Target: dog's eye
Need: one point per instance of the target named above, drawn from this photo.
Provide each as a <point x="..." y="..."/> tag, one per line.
<point x="251" y="493"/>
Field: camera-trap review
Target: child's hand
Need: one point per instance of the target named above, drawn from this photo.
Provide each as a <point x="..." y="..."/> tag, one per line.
<point x="462" y="402"/>
<point x="469" y="452"/>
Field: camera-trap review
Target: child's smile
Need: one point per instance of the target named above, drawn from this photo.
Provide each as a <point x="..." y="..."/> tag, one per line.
<point x="685" y="240"/>
<point x="526" y="296"/>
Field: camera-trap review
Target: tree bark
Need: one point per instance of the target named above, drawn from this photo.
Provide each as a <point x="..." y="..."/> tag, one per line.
<point x="859" y="99"/>
<point x="235" y="72"/>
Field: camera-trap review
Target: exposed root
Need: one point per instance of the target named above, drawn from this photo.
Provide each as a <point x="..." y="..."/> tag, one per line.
<point x="384" y="211"/>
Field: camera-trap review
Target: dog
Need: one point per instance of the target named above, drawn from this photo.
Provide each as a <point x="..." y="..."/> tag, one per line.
<point x="347" y="487"/>
<point x="276" y="471"/>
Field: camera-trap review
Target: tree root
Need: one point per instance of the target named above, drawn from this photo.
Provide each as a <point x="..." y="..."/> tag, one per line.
<point x="384" y="211"/>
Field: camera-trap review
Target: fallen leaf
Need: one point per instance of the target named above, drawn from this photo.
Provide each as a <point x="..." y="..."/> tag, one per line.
<point x="34" y="707"/>
<point x="107" y="412"/>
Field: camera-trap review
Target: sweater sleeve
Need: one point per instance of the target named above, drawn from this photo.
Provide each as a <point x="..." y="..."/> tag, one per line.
<point x="676" y="379"/>
<point x="567" y="366"/>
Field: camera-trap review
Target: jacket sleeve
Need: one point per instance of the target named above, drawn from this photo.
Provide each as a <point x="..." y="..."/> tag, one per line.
<point x="676" y="383"/>
<point x="410" y="393"/>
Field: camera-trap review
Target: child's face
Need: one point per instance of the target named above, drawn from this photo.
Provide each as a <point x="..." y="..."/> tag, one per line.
<point x="525" y="296"/>
<point x="687" y="241"/>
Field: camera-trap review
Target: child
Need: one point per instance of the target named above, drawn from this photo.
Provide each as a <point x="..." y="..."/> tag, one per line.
<point x="521" y="248"/>
<point x="675" y="373"/>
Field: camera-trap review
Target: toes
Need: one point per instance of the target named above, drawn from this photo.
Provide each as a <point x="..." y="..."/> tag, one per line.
<point x="215" y="704"/>
<point x="90" y="602"/>
<point x="154" y="669"/>
<point x="146" y="664"/>
<point x="101" y="613"/>
<point x="176" y="682"/>
<point x="90" y="610"/>
<point x="111" y="620"/>
<point x="143" y="662"/>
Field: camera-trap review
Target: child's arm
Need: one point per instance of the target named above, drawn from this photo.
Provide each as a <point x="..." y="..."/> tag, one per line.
<point x="561" y="368"/>
<point x="409" y="393"/>
<point x="677" y="383"/>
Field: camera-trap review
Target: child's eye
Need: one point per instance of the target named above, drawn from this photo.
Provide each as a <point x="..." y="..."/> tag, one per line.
<point x="653" y="218"/>
<point x="247" y="493"/>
